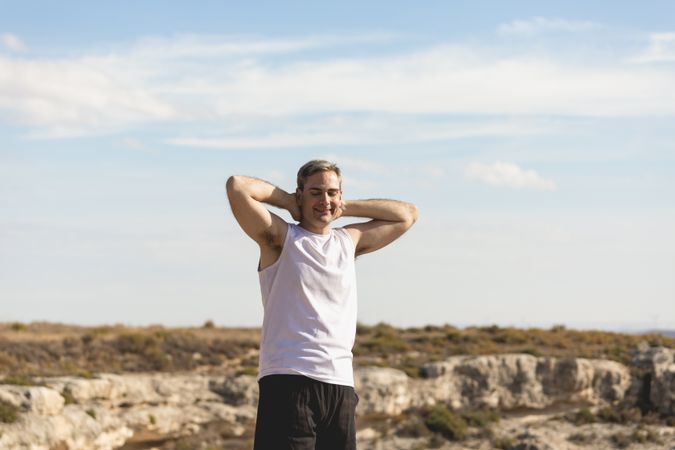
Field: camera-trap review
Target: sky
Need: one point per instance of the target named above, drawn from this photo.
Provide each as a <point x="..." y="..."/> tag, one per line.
<point x="537" y="140"/>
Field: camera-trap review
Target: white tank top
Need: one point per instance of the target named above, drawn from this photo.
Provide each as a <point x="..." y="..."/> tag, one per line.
<point x="309" y="301"/>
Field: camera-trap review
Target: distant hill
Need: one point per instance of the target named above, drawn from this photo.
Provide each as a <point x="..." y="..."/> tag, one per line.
<point x="666" y="333"/>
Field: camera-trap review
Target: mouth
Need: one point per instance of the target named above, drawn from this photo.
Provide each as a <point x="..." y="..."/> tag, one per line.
<point x="324" y="212"/>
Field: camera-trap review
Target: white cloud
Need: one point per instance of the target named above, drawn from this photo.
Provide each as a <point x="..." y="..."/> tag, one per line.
<point x="437" y="80"/>
<point x="280" y="140"/>
<point x="12" y="42"/>
<point x="508" y="175"/>
<point x="65" y="98"/>
<point x="133" y="144"/>
<point x="215" y="81"/>
<point x="538" y="25"/>
<point x="358" y="164"/>
<point x="357" y="132"/>
<point x="661" y="49"/>
<point x="194" y="46"/>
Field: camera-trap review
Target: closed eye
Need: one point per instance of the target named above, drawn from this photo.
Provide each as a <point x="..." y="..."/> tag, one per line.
<point x="331" y="192"/>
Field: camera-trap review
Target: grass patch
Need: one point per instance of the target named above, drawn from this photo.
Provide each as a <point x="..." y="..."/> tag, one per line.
<point x="481" y="418"/>
<point x="19" y="380"/>
<point x="248" y="370"/>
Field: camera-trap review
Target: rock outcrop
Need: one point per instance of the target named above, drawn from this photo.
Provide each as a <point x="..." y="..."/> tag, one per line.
<point x="659" y="366"/>
<point x="104" y="412"/>
<point x="497" y="381"/>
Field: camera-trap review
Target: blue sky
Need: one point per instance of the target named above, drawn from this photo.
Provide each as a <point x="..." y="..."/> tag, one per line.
<point x="536" y="138"/>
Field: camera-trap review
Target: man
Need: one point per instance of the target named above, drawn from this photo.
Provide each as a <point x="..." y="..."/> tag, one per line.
<point x="307" y="279"/>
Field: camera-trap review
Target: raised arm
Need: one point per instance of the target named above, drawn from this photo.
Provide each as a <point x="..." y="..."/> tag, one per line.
<point x="391" y="218"/>
<point x="247" y="198"/>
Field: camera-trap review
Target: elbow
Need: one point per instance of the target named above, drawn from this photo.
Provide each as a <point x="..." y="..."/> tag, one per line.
<point x="411" y="216"/>
<point x="232" y="183"/>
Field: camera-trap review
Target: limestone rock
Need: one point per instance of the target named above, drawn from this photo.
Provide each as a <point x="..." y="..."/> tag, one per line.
<point x="382" y="390"/>
<point x="109" y="409"/>
<point x="241" y="390"/>
<point x="35" y="399"/>
<point x="75" y="428"/>
<point x="662" y="392"/>
<point x="520" y="380"/>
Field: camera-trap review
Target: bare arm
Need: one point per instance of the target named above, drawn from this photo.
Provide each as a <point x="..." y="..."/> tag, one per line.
<point x="390" y="219"/>
<point x="247" y="198"/>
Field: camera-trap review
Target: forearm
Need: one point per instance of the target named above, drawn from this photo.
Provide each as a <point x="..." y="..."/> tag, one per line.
<point x="261" y="191"/>
<point x="380" y="209"/>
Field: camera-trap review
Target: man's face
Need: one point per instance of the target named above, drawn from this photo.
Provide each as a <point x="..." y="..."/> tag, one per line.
<point x="320" y="199"/>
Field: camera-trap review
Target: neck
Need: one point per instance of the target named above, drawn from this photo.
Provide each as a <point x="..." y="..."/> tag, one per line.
<point x="315" y="229"/>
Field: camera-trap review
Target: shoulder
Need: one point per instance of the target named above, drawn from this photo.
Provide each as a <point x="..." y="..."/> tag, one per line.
<point x="349" y="235"/>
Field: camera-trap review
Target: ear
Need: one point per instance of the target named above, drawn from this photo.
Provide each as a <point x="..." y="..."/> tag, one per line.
<point x="298" y="196"/>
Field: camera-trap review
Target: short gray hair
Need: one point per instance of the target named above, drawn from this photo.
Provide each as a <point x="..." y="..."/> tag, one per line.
<point x="315" y="166"/>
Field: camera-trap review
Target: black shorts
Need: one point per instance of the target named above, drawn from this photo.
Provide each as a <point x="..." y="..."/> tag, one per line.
<point x="299" y="413"/>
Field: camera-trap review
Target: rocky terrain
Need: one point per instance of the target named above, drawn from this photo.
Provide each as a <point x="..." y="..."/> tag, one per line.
<point x="512" y="401"/>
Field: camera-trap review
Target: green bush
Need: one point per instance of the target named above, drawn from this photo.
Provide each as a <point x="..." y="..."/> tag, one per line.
<point x="412" y="371"/>
<point x="447" y="423"/>
<point x="504" y="443"/>
<point x="68" y="397"/>
<point x="8" y="412"/>
<point x="18" y="326"/>
<point x="583" y="416"/>
<point x="413" y="428"/>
